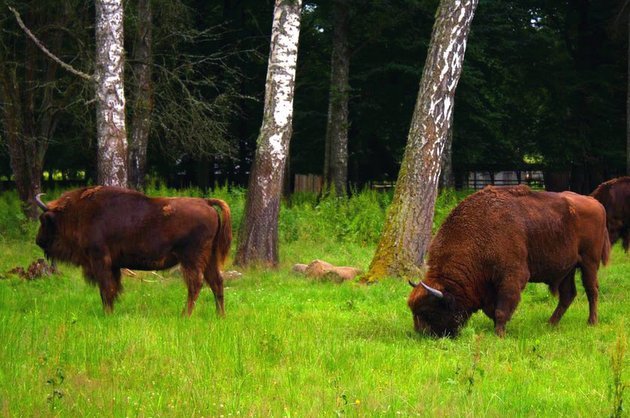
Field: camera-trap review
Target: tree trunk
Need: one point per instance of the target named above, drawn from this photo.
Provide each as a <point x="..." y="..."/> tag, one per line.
<point x="447" y="178"/>
<point x="258" y="235"/>
<point x="28" y="113"/>
<point x="110" y="94"/>
<point x="142" y="106"/>
<point x="628" y="104"/>
<point x="407" y="229"/>
<point x="23" y="147"/>
<point x="336" y="146"/>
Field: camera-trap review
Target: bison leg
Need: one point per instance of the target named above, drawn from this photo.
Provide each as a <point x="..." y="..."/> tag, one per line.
<point x="626" y="239"/>
<point x="591" y="286"/>
<point x="109" y="286"/>
<point x="508" y="297"/>
<point x="215" y="281"/>
<point x="194" y="282"/>
<point x="108" y="278"/>
<point x="566" y="294"/>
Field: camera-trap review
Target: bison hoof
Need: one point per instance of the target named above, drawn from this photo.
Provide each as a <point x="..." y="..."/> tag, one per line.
<point x="500" y="332"/>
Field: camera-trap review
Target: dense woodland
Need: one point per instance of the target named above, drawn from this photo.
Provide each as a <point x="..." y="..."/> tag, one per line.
<point x="544" y="84"/>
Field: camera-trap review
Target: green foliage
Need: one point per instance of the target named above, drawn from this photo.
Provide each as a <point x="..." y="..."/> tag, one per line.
<point x="539" y="78"/>
<point x="13" y="223"/>
<point x="542" y="78"/>
<point x="618" y="385"/>
<point x="357" y="219"/>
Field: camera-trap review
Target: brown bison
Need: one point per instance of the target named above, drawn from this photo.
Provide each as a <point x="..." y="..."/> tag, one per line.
<point x="497" y="240"/>
<point x="614" y="195"/>
<point x="103" y="229"/>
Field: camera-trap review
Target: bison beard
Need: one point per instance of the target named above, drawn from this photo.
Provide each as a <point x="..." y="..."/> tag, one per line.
<point x="104" y="229"/>
<point x="499" y="239"/>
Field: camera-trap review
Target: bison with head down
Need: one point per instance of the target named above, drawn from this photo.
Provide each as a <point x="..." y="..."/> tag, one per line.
<point x="497" y="240"/>
<point x="103" y="229"/>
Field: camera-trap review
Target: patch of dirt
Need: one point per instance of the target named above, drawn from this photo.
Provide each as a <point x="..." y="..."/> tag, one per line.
<point x="36" y="270"/>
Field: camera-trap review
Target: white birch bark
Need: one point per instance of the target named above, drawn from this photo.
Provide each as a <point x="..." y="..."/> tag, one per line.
<point x="407" y="229"/>
<point x="110" y="95"/>
<point x="258" y="241"/>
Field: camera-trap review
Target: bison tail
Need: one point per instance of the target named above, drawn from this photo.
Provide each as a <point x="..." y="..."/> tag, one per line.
<point x="606" y="248"/>
<point x="223" y="239"/>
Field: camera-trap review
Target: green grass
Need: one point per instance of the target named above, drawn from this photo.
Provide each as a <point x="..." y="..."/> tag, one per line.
<point x="292" y="347"/>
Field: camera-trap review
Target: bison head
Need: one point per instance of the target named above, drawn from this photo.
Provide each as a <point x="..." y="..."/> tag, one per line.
<point x="435" y="312"/>
<point x="46" y="233"/>
<point x="47" y="229"/>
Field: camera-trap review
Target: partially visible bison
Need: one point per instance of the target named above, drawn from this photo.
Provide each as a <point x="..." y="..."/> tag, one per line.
<point x="103" y="229"/>
<point x="614" y="195"/>
<point x="497" y="240"/>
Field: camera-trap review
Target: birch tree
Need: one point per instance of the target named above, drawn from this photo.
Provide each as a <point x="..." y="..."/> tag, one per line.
<point x="407" y="229"/>
<point x="447" y="177"/>
<point x="110" y="94"/>
<point x="109" y="89"/>
<point x="336" y="146"/>
<point x="258" y="235"/>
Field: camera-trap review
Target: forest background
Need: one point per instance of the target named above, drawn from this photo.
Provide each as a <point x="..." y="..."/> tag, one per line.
<point x="544" y="86"/>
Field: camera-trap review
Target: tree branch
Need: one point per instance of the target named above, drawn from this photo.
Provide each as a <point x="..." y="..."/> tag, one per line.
<point x="52" y="56"/>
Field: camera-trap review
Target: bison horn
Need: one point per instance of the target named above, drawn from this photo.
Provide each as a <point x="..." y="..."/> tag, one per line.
<point x="432" y="291"/>
<point x="412" y="284"/>
<point x="41" y="204"/>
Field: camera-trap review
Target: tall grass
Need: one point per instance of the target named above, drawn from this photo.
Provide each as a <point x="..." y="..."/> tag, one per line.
<point x="13" y="223"/>
<point x="292" y="347"/>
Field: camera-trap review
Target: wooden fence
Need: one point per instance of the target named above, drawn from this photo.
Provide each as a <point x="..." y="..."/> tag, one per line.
<point x="479" y="179"/>
<point x="307" y="183"/>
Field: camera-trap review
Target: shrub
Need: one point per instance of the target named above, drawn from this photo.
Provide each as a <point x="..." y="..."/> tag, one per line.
<point x="13" y="222"/>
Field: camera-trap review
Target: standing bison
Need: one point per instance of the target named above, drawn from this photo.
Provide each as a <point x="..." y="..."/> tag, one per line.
<point x="103" y="229"/>
<point x="497" y="240"/>
<point x="614" y="195"/>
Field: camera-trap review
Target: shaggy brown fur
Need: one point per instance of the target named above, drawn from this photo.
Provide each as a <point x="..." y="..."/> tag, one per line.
<point x="497" y="240"/>
<point x="104" y="229"/>
<point x="614" y="195"/>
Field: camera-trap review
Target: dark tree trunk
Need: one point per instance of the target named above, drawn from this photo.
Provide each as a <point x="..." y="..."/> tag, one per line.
<point x="258" y="235"/>
<point x="628" y="103"/>
<point x="407" y="229"/>
<point x="587" y="60"/>
<point x="24" y="149"/>
<point x="142" y="105"/>
<point x="336" y="146"/>
<point x="110" y="94"/>
<point x="28" y="112"/>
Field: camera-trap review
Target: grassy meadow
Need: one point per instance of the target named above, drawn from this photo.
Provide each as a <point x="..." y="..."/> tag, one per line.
<point x="290" y="346"/>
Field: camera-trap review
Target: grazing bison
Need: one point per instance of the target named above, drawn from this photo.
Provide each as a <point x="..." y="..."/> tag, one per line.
<point x="497" y="240"/>
<point x="103" y="229"/>
<point x="614" y="195"/>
